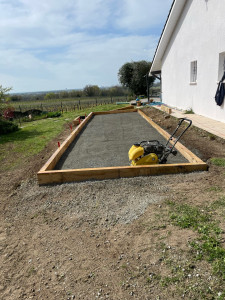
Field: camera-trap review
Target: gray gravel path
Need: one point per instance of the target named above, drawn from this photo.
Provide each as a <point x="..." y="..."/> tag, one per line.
<point x="105" y="202"/>
<point x="106" y="140"/>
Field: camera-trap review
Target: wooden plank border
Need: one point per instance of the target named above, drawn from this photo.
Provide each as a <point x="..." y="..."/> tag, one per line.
<point x="166" y="109"/>
<point x="50" y="164"/>
<point x="129" y="108"/>
<point x="191" y="157"/>
<point x="47" y="174"/>
<point x="62" y="176"/>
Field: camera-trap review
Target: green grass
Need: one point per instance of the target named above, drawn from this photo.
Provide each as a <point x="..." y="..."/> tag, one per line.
<point x="208" y="245"/>
<point x="215" y="189"/>
<point x="219" y="203"/>
<point x="31" y="271"/>
<point x="166" y="281"/>
<point x="186" y="216"/>
<point x="189" y="111"/>
<point x="35" y="135"/>
<point x="220" y="162"/>
<point x="197" y="272"/>
<point x="53" y="114"/>
<point x="211" y="136"/>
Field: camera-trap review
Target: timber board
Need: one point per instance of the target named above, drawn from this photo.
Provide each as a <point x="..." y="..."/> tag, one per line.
<point x="47" y="174"/>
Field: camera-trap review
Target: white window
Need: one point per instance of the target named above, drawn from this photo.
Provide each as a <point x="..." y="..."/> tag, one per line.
<point x="193" y="78"/>
<point x="221" y="65"/>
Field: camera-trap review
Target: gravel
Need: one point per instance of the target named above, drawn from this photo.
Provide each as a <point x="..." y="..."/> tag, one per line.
<point x="106" y="140"/>
<point x="105" y="203"/>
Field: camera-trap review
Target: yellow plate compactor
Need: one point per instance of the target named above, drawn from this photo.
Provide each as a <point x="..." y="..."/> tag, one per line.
<point x="153" y="152"/>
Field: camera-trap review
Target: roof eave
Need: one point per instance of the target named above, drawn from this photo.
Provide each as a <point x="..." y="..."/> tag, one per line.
<point x="171" y="22"/>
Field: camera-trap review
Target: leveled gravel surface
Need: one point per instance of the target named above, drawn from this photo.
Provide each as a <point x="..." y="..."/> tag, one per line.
<point x="106" y="140"/>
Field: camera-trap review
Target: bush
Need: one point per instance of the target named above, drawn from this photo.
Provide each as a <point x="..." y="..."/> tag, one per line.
<point x="9" y="113"/>
<point x="44" y="115"/>
<point x="53" y="114"/>
<point x="7" y="126"/>
<point x="189" y="111"/>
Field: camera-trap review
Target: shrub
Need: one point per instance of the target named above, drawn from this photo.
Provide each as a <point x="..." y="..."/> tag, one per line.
<point x="189" y="111"/>
<point x="7" y="126"/>
<point x="9" y="113"/>
<point x="53" y="114"/>
<point x="44" y="115"/>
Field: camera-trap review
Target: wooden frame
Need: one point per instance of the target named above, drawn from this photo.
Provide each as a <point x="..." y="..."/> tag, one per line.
<point x="166" y="109"/>
<point x="48" y="175"/>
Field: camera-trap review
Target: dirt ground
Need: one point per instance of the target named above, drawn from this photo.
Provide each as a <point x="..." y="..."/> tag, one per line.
<point x="109" y="239"/>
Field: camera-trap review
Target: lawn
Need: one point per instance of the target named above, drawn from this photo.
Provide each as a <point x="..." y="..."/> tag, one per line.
<point x="35" y="135"/>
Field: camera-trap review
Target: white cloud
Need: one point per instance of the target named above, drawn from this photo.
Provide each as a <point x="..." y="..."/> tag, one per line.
<point x="58" y="44"/>
<point x="90" y="61"/>
<point x="143" y="14"/>
<point x="91" y="14"/>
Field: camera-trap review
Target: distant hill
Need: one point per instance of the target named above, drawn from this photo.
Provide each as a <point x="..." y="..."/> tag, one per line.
<point x="43" y="92"/>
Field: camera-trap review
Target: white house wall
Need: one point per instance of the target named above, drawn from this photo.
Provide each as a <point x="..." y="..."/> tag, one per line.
<point x="199" y="35"/>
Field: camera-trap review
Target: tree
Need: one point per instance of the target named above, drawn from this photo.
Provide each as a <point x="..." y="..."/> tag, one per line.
<point x="3" y="98"/>
<point x="134" y="75"/>
<point x="50" y="96"/>
<point x="126" y="74"/>
<point x="116" y="91"/>
<point x="14" y="98"/>
<point x="75" y="93"/>
<point x="91" y="90"/>
<point x="63" y="94"/>
<point x="3" y="92"/>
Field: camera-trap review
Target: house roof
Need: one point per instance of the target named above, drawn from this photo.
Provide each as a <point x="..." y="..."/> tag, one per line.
<point x="171" y="22"/>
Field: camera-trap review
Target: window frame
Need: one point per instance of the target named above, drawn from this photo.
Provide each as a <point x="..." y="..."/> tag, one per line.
<point x="193" y="72"/>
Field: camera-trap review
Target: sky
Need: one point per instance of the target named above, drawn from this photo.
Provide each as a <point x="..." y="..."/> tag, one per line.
<point x="68" y="44"/>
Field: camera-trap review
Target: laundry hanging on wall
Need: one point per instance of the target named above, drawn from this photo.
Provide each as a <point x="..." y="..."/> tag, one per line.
<point x="220" y="93"/>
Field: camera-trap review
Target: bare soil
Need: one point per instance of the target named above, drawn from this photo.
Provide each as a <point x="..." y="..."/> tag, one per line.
<point x="109" y="239"/>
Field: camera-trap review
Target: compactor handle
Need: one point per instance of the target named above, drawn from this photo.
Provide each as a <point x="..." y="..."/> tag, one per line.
<point x="184" y="119"/>
<point x="178" y="126"/>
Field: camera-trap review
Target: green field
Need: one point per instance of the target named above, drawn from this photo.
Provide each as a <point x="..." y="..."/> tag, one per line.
<point x="67" y="104"/>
